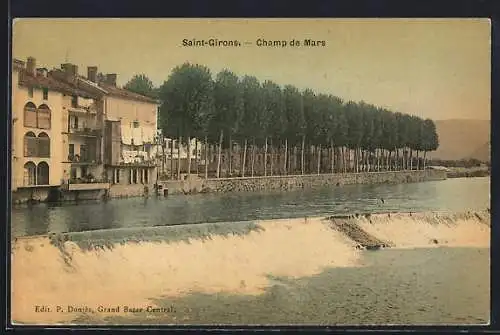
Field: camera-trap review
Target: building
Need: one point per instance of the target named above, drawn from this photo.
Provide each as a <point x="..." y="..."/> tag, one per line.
<point x="130" y="132"/>
<point x="40" y="107"/>
<point x="68" y="129"/>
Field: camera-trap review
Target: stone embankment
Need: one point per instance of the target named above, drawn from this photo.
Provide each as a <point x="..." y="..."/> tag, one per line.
<point x="195" y="184"/>
<point x="288" y="183"/>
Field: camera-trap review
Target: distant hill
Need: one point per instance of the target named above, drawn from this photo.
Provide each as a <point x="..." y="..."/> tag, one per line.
<point x="483" y="153"/>
<point x="460" y="139"/>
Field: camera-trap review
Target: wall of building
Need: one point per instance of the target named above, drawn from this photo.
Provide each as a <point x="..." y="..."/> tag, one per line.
<point x="128" y="111"/>
<point x="112" y="142"/>
<point x="55" y="102"/>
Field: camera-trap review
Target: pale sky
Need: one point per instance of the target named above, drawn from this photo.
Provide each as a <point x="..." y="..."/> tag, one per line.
<point x="438" y="68"/>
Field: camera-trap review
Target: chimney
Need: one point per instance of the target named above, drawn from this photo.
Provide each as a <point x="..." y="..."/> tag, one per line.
<point x="92" y="73"/>
<point x="100" y="78"/>
<point x="69" y="69"/>
<point x="74" y="70"/>
<point x="111" y="79"/>
<point x="31" y="66"/>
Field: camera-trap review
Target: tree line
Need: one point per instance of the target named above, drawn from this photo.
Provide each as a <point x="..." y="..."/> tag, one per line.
<point x="290" y="131"/>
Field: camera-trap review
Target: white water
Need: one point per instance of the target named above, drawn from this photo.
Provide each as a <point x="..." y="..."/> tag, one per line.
<point x="131" y="274"/>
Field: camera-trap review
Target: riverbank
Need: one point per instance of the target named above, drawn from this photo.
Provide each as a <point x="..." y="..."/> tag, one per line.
<point x="294" y="182"/>
<point x="195" y="184"/>
<point x="136" y="266"/>
<point x="468" y="172"/>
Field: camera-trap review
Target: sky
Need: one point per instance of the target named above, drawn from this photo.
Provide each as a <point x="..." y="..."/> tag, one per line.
<point x="432" y="68"/>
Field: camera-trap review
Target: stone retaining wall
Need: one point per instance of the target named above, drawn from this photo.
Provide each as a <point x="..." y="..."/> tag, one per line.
<point x="286" y="183"/>
<point x="248" y="184"/>
<point x="134" y="190"/>
<point x="24" y="195"/>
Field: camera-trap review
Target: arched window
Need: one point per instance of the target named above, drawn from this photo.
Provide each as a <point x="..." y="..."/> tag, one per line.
<point x="42" y="174"/>
<point x="43" y="145"/>
<point x="43" y="116"/>
<point x="30" y="115"/>
<point x="30" y="145"/>
<point x="29" y="174"/>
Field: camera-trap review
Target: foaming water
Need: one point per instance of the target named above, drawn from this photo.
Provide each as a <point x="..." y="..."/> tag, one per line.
<point x="413" y="230"/>
<point x="133" y="273"/>
<point x="162" y="262"/>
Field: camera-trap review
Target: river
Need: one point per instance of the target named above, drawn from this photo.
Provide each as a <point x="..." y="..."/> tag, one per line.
<point x="458" y="194"/>
<point x="287" y="273"/>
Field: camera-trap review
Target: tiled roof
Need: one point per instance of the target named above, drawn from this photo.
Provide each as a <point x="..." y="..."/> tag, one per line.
<point x="56" y="80"/>
<point x="126" y="94"/>
<point x="52" y="83"/>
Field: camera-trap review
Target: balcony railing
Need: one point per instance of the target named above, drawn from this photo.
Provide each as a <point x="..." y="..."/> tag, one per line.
<point x="74" y="108"/>
<point x="85" y="131"/>
<point x="83" y="159"/>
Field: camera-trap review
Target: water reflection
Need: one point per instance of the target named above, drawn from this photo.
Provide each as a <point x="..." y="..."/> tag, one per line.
<point x="452" y="194"/>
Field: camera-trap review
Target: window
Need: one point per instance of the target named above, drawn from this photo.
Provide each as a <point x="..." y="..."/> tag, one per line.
<point x="135" y="124"/>
<point x="74" y="101"/>
<point x="37" y="117"/>
<point x="83" y="153"/>
<point x="30" y="145"/>
<point x="29" y="174"/>
<point x="75" y="122"/>
<point x="117" y="177"/>
<point x="42" y="174"/>
<point x="146" y="176"/>
<point x="43" y="145"/>
<point x="30" y="92"/>
<point x="30" y="115"/>
<point x="45" y="93"/>
<point x="71" y="154"/>
<point x="43" y="117"/>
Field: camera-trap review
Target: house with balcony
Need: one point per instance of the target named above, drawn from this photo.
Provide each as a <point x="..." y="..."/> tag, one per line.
<point x="83" y="126"/>
<point x="38" y="144"/>
<point x="70" y="130"/>
<point x="111" y="135"/>
<point x="130" y="129"/>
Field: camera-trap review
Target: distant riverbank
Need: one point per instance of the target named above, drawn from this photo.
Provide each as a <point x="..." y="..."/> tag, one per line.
<point x="458" y="172"/>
